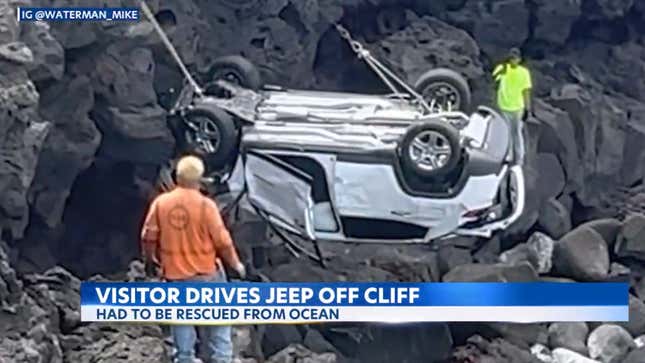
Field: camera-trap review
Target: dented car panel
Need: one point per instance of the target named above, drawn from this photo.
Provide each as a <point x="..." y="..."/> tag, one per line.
<point x="281" y="191"/>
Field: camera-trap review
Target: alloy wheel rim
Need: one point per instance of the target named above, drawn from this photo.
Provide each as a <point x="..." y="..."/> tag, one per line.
<point x="442" y="96"/>
<point x="208" y="136"/>
<point x="430" y="150"/>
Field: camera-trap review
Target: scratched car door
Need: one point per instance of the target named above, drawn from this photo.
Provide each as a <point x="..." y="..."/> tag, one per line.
<point x="282" y="192"/>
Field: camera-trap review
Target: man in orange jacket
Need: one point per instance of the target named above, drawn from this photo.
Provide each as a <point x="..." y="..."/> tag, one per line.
<point x="184" y="234"/>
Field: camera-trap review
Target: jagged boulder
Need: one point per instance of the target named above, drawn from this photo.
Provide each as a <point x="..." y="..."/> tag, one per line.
<point x="430" y="43"/>
<point x="450" y="256"/>
<point x="48" y="55"/>
<point x="409" y="264"/>
<point x="140" y="137"/>
<point x="489" y="250"/>
<point x="636" y="324"/>
<point x="246" y="343"/>
<point x="301" y="272"/>
<point x="278" y="337"/>
<point x="8" y="22"/>
<point x="132" y="124"/>
<point x="377" y="263"/>
<point x="521" y="335"/>
<point x="282" y="36"/>
<point x="479" y="349"/>
<point x="563" y="355"/>
<point x="498" y="25"/>
<point x="542" y="353"/>
<point x="608" y="228"/>
<point x="28" y="350"/>
<point x="68" y="150"/>
<point x="600" y="122"/>
<point x="299" y="354"/>
<point x="315" y="341"/>
<point x="551" y="180"/>
<point x="582" y="254"/>
<point x="58" y="292"/>
<point x="618" y="65"/>
<point x="17" y="52"/>
<point x="557" y="137"/>
<point x="538" y="250"/>
<point x="555" y="218"/>
<point x="614" y="8"/>
<point x="521" y="272"/>
<point x="609" y="343"/>
<point x="28" y="331"/>
<point x="630" y="201"/>
<point x="619" y="272"/>
<point x="634" y="158"/>
<point x="635" y="356"/>
<point x="10" y="285"/>
<point x="572" y="336"/>
<point x="139" y="344"/>
<point x="630" y="239"/>
<point x="638" y="284"/>
<point x="22" y="134"/>
<point x="123" y="76"/>
<point x="433" y="343"/>
<point x="554" y="21"/>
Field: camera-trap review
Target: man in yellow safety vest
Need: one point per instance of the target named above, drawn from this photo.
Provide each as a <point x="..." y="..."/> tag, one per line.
<point x="514" y="87"/>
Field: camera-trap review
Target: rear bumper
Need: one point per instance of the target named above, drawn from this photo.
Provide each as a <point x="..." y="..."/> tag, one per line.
<point x="517" y="182"/>
<point x="449" y="226"/>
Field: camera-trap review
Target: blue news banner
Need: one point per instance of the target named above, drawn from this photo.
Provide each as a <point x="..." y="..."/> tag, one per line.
<point x="263" y="303"/>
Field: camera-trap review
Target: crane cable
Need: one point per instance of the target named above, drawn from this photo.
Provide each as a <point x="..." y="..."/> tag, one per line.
<point x="386" y="75"/>
<point x="171" y="48"/>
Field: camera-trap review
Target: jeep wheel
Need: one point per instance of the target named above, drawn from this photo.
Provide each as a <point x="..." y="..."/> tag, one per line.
<point x="234" y="69"/>
<point x="212" y="134"/>
<point x="444" y="89"/>
<point x="430" y="150"/>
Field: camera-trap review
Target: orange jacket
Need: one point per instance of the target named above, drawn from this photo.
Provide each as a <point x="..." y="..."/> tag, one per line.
<point x="186" y="233"/>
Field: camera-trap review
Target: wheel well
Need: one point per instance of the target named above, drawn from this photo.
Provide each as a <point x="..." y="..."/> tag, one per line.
<point x="446" y="186"/>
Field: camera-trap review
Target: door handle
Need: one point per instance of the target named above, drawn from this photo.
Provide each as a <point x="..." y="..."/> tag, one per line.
<point x="400" y="213"/>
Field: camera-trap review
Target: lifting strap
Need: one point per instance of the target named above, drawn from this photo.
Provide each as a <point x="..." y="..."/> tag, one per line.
<point x="386" y="75"/>
<point x="171" y="48"/>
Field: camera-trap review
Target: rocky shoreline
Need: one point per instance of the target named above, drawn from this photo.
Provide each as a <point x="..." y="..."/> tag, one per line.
<point x="82" y="134"/>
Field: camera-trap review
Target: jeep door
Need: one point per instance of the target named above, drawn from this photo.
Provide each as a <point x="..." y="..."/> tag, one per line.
<point x="281" y="192"/>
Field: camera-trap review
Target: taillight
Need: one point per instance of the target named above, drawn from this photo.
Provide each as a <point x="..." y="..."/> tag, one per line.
<point x="475" y="213"/>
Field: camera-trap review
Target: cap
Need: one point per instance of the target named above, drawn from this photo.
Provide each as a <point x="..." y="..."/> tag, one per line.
<point x="190" y="168"/>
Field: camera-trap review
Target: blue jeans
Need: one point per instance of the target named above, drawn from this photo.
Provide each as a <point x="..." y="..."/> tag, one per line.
<point x="217" y="339"/>
<point x="516" y="124"/>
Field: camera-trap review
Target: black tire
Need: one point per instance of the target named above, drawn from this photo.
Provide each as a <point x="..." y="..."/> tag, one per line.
<point x="227" y="133"/>
<point x="448" y="136"/>
<point x="242" y="71"/>
<point x="451" y="81"/>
